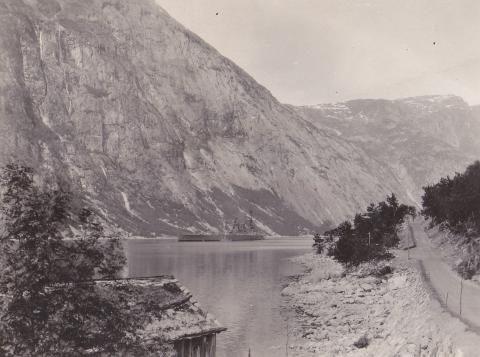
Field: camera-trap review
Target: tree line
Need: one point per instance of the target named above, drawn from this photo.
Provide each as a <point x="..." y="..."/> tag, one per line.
<point x="454" y="203"/>
<point x="369" y="236"/>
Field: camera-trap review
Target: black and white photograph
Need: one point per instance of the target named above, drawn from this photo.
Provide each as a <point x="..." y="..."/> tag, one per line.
<point x="239" y="178"/>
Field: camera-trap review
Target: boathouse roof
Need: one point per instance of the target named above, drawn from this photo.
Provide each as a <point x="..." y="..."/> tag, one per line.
<point x="174" y="314"/>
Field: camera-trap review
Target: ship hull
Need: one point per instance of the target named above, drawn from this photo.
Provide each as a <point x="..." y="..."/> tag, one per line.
<point x="219" y="237"/>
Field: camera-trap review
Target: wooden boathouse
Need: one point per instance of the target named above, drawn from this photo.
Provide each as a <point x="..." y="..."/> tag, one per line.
<point x="176" y="318"/>
<point x="203" y="345"/>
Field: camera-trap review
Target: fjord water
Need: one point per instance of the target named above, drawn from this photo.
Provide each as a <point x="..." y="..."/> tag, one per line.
<point x="239" y="282"/>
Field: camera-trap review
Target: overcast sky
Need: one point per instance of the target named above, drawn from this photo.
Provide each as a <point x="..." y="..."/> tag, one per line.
<point x="317" y="51"/>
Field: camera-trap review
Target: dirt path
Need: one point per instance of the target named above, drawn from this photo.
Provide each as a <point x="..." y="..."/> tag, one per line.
<point x="445" y="283"/>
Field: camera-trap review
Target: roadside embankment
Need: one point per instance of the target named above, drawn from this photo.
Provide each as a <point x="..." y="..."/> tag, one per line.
<point x="370" y="311"/>
<point x="462" y="253"/>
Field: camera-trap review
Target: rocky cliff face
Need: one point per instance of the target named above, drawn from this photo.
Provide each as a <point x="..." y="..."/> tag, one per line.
<point x="164" y="135"/>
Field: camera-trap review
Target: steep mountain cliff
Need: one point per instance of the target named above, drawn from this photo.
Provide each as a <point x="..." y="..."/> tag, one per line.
<point x="164" y="135"/>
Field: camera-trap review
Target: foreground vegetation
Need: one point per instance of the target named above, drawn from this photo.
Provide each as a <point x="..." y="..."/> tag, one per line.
<point x="49" y="305"/>
<point x="371" y="234"/>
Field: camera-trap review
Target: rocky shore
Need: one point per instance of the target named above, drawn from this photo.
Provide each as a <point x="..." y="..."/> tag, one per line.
<point x="373" y="310"/>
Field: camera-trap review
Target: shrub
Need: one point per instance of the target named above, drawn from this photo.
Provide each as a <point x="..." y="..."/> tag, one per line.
<point x="371" y="234"/>
<point x="362" y="342"/>
<point x="387" y="269"/>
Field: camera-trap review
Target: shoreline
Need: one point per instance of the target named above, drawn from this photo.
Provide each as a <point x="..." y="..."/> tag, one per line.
<point x="365" y="313"/>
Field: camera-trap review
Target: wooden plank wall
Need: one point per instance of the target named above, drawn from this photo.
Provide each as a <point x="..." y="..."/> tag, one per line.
<point x="204" y="346"/>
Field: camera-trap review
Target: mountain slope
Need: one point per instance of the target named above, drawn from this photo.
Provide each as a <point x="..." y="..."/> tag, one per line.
<point x="419" y="139"/>
<point x="163" y="134"/>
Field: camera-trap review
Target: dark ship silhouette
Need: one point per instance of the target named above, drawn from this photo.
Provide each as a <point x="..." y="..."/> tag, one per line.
<point x="238" y="231"/>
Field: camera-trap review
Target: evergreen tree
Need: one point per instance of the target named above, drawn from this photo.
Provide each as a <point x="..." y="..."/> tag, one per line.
<point x="454" y="203"/>
<point x="345" y="249"/>
<point x="372" y="233"/>
<point x="50" y="306"/>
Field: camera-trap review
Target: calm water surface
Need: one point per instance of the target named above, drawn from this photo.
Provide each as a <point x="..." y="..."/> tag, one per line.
<point x="238" y="282"/>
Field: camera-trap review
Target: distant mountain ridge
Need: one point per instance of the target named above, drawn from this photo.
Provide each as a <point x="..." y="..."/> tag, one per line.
<point x="447" y="117"/>
<point x="164" y="135"/>
<point x="419" y="138"/>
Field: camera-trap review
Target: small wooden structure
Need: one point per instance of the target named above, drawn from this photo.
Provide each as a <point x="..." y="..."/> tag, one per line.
<point x="178" y="319"/>
<point x="199" y="346"/>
